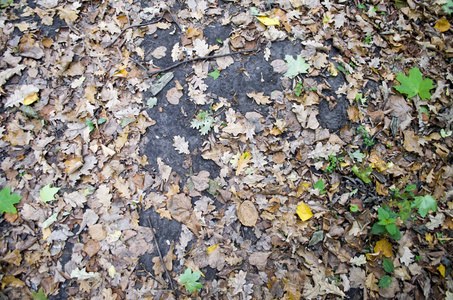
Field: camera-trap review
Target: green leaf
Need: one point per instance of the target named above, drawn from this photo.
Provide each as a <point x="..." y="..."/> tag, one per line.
<point x="39" y="295"/>
<point x="102" y="121"/>
<point x="397" y="235"/>
<point x="354" y="208"/>
<point x="320" y="186"/>
<point x="405" y="210"/>
<point x="414" y="84"/>
<point x="7" y="201"/>
<point x="388" y="266"/>
<point x="89" y="124"/>
<point x="448" y="7"/>
<point x="214" y="74"/>
<point x="151" y="102"/>
<point x="47" y="193"/>
<point x="377" y="229"/>
<point x="385" y="281"/>
<point x="203" y="122"/>
<point x="391" y="228"/>
<point x="295" y="66"/>
<point x="190" y="280"/>
<point x="424" y="204"/>
<point x="383" y="214"/>
<point x="364" y="175"/>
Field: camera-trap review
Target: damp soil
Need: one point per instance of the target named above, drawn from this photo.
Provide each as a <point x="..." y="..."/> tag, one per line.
<point x="248" y="73"/>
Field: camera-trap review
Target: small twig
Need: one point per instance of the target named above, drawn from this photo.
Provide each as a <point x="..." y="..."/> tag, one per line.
<point x="133" y="26"/>
<point x="138" y="63"/>
<point x="160" y="254"/>
<point x="202" y="58"/>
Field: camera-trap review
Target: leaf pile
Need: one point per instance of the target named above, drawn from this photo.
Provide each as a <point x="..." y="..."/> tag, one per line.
<point x="295" y="211"/>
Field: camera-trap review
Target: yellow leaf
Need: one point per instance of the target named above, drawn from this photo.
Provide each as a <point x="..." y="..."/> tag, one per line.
<point x="332" y="69"/>
<point x="304" y="212"/>
<point x="122" y="74"/>
<point x="441" y="270"/>
<point x="212" y="248"/>
<point x="269" y="21"/>
<point x="45" y="233"/>
<point x="112" y="271"/>
<point x="31" y="98"/>
<point x="385" y="247"/>
<point x="242" y="162"/>
<point x="11" y="281"/>
<point x="442" y="25"/>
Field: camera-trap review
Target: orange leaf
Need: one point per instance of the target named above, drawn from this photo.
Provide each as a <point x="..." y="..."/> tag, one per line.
<point x="385" y="247"/>
<point x="442" y="25"/>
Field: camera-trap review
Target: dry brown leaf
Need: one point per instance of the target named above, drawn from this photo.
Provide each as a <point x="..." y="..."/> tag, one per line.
<point x="174" y="95"/>
<point x="259" y="98"/>
<point x="159" y="52"/>
<point x="411" y="143"/>
<point x="247" y="213"/>
<point x="91" y="248"/>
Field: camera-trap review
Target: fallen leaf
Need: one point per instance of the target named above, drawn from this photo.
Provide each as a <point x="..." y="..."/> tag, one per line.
<point x="411" y="143"/>
<point x="174" y="95"/>
<point x="259" y="98"/>
<point x="181" y="145"/>
<point x="159" y="52"/>
<point x="385" y="247"/>
<point x="304" y="212"/>
<point x="247" y="213"/>
<point x="442" y="25"/>
<point x="269" y="21"/>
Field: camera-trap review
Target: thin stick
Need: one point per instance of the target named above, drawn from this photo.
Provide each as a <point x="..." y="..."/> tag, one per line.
<point x="201" y="58"/>
<point x="160" y="254"/>
<point x="133" y="26"/>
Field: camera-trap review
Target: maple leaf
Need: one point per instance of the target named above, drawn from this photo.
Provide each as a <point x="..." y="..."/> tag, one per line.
<point x="295" y="66"/>
<point x="448" y="7"/>
<point x="7" y="201"/>
<point x="47" y="193"/>
<point x="414" y="84"/>
<point x="39" y="295"/>
<point x="424" y="204"/>
<point x="190" y="280"/>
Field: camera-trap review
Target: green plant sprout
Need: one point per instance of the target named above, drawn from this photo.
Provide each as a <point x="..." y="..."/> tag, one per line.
<point x="333" y="163"/>
<point x="408" y="201"/>
<point x="388" y="267"/>
<point x="360" y="99"/>
<point x="367" y="139"/>
<point x="386" y="223"/>
<point x="203" y="121"/>
<point x="190" y="280"/>
<point x="298" y="89"/>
